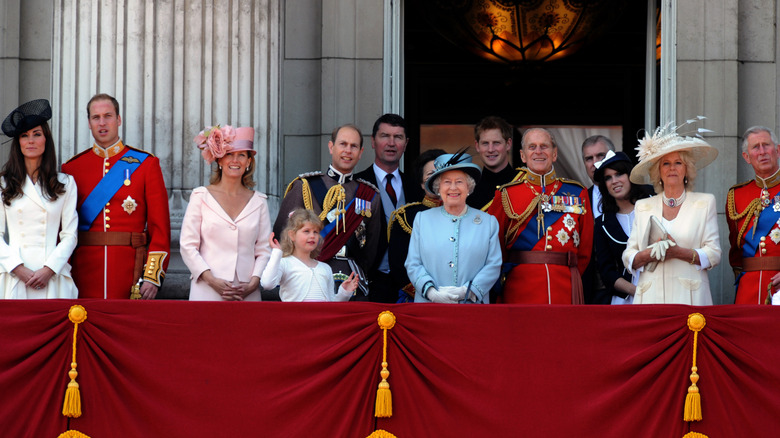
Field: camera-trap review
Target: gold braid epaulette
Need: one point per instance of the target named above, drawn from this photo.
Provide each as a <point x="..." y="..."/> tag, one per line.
<point x="305" y="192"/>
<point x="510" y="212"/>
<point x="520" y="177"/>
<point x="305" y="188"/>
<point x="747" y="213"/>
<point x="399" y="215"/>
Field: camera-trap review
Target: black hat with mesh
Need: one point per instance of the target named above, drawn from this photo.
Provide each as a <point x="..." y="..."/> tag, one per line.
<point x="27" y="116"/>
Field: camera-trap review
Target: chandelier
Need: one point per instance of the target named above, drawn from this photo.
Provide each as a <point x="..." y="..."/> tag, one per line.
<point x="515" y="31"/>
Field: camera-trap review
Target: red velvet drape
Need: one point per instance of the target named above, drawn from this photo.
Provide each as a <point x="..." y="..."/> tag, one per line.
<point x="181" y="369"/>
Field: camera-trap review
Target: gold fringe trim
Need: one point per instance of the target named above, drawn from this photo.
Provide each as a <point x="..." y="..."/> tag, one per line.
<point x="696" y="323"/>
<point x="71" y="407"/>
<point x="384" y="399"/>
<point x="381" y="434"/>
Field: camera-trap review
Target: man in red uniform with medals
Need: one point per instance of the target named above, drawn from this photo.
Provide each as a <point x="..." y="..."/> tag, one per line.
<point x="753" y="216"/>
<point x="545" y="227"/>
<point x="124" y="226"/>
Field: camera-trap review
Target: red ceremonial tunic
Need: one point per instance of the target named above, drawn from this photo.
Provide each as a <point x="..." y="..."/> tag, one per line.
<point x="568" y="232"/>
<point x="742" y="207"/>
<point x="107" y="271"/>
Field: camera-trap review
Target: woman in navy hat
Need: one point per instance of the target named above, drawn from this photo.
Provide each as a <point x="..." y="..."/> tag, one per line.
<point x="613" y="227"/>
<point x="39" y="208"/>
<point x="454" y="254"/>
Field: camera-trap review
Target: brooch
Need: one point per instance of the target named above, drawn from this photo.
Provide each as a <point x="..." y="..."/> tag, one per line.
<point x="129" y="205"/>
<point x="569" y="222"/>
<point x="562" y="236"/>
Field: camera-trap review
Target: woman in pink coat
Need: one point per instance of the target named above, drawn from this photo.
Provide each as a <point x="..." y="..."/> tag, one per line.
<point x="224" y="235"/>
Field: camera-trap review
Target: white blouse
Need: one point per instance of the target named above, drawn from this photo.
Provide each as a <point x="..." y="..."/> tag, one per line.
<point x="299" y="282"/>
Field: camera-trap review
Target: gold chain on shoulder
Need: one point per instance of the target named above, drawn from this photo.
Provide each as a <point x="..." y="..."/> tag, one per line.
<point x="404" y="223"/>
<point x="399" y="216"/>
<point x="306" y="194"/>
<point x="747" y="213"/>
<point x="510" y="212"/>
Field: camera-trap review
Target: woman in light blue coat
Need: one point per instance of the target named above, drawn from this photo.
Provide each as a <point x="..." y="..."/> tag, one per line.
<point x="454" y="254"/>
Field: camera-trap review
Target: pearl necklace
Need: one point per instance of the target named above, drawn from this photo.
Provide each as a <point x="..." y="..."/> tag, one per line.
<point x="673" y="202"/>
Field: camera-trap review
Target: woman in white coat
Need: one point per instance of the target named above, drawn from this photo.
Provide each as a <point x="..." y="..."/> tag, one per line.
<point x="39" y="210"/>
<point x="673" y="269"/>
<point x="224" y="234"/>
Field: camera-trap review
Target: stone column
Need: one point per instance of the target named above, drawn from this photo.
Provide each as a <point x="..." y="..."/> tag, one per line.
<point x="175" y="67"/>
<point x="333" y="74"/>
<point x="708" y="84"/>
<point x="25" y="55"/>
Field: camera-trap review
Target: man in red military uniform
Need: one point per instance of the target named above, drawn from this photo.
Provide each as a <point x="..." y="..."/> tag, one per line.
<point x="124" y="225"/>
<point x="753" y="216"/>
<point x="545" y="227"/>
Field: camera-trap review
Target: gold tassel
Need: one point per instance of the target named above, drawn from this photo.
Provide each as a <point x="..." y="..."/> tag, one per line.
<point x="384" y="399"/>
<point x="381" y="434"/>
<point x="71" y="407"/>
<point x="696" y="322"/>
<point x="72" y="434"/>
<point x="694" y="435"/>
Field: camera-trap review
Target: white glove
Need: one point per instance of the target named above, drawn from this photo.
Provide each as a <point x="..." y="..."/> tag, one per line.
<point x="459" y="291"/>
<point x="658" y="249"/>
<point x="440" y="296"/>
<point x="776" y="299"/>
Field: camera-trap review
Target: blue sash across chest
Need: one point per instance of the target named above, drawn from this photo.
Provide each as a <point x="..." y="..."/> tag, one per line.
<point x="108" y="186"/>
<point x="766" y="220"/>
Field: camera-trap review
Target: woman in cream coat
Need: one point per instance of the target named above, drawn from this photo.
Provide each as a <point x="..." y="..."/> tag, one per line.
<point x="224" y="235"/>
<point x="39" y="209"/>
<point x="682" y="261"/>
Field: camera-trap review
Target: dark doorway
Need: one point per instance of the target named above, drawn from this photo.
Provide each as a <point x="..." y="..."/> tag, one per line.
<point x="602" y="84"/>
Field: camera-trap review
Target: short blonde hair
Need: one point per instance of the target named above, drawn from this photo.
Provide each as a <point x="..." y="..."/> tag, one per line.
<point x="690" y="172"/>
<point x="298" y="219"/>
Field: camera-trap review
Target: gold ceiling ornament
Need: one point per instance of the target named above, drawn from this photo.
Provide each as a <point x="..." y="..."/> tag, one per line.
<point x="517" y="31"/>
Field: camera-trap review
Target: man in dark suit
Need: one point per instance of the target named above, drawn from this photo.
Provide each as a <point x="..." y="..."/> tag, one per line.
<point x="594" y="149"/>
<point x="389" y="140"/>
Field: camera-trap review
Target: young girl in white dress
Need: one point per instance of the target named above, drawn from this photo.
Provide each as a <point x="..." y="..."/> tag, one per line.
<point x="294" y="267"/>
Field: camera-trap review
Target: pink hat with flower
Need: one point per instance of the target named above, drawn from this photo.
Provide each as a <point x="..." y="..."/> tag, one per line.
<point x="216" y="141"/>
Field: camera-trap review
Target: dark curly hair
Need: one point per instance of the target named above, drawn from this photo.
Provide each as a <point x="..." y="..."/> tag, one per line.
<point x="14" y="172"/>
